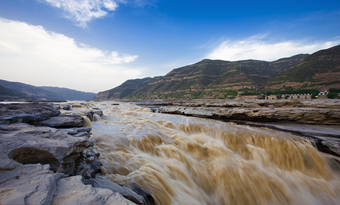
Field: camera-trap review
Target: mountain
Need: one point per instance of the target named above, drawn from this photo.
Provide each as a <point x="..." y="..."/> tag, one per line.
<point x="6" y="92"/>
<point x="205" y="79"/>
<point x="25" y="91"/>
<point x="124" y="89"/>
<point x="321" y="70"/>
<point x="70" y="94"/>
<point x="21" y="91"/>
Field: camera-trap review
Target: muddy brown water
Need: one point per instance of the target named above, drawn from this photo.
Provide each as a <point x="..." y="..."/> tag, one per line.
<point x="187" y="160"/>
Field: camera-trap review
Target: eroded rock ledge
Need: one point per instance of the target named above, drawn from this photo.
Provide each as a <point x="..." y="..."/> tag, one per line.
<point x="45" y="158"/>
<point x="317" y="120"/>
<point x="326" y="112"/>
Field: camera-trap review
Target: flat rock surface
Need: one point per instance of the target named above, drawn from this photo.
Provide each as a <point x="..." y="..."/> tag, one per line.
<point x="124" y="191"/>
<point x="299" y="115"/>
<point x="72" y="191"/>
<point x="26" y="112"/>
<point x="249" y="103"/>
<point x="63" y="121"/>
<point x="322" y="131"/>
<point x="28" y="184"/>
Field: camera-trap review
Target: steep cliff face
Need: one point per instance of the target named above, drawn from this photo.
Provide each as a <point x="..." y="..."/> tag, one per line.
<point x="321" y="70"/>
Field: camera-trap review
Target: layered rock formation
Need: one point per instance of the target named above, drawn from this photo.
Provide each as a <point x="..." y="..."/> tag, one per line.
<point x="326" y="112"/>
<point x="45" y="156"/>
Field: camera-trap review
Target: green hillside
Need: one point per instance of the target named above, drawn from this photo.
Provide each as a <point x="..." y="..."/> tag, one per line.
<point x="211" y="79"/>
<point x="320" y="70"/>
<point x="205" y="79"/>
<point x="124" y="89"/>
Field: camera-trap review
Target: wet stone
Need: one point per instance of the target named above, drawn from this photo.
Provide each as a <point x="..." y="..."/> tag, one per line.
<point x="88" y="164"/>
<point x="63" y="121"/>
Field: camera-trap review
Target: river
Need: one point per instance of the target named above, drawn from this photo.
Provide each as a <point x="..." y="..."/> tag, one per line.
<point x="188" y="160"/>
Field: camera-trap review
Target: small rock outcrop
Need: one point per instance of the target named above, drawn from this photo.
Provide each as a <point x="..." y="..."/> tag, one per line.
<point x="88" y="164"/>
<point x="94" y="115"/>
<point x="72" y="191"/>
<point x="28" y="144"/>
<point x="63" y="121"/>
<point x="26" y="112"/>
<point x="124" y="191"/>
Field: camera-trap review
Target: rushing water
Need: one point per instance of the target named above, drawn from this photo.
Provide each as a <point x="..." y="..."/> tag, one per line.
<point x="186" y="160"/>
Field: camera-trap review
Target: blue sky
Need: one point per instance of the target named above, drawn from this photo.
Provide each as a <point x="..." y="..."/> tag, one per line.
<point x="95" y="45"/>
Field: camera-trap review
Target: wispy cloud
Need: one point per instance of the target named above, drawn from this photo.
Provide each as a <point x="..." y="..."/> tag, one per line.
<point x="33" y="55"/>
<point x="257" y="47"/>
<point x="83" y="11"/>
<point x="143" y="3"/>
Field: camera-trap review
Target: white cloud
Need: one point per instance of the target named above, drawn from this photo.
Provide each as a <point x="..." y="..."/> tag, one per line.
<point x="257" y="48"/>
<point x="32" y="55"/>
<point x="83" y="11"/>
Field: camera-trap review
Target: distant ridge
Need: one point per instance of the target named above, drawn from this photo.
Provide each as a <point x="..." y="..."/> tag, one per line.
<point x="26" y="91"/>
<point x="21" y="91"/>
<point x="70" y="94"/>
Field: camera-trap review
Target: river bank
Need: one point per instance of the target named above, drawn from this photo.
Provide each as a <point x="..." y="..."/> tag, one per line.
<point x="47" y="158"/>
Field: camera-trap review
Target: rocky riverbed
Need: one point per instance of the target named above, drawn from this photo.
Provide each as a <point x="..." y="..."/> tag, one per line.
<point x="46" y="158"/>
<point x="318" y="120"/>
<point x="47" y="154"/>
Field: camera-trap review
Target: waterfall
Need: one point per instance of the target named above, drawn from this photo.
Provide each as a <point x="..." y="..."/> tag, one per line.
<point x="96" y="117"/>
<point x="87" y="121"/>
<point x="187" y="160"/>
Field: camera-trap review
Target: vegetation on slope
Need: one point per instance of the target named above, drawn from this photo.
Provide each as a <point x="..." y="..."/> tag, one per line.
<point x="320" y="68"/>
<point x="211" y="79"/>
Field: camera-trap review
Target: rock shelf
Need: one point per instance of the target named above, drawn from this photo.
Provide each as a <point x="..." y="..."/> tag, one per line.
<point x="317" y="120"/>
<point x="45" y="156"/>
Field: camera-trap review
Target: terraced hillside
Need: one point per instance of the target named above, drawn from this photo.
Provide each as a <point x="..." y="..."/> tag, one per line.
<point x="205" y="79"/>
<point x="321" y="70"/>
